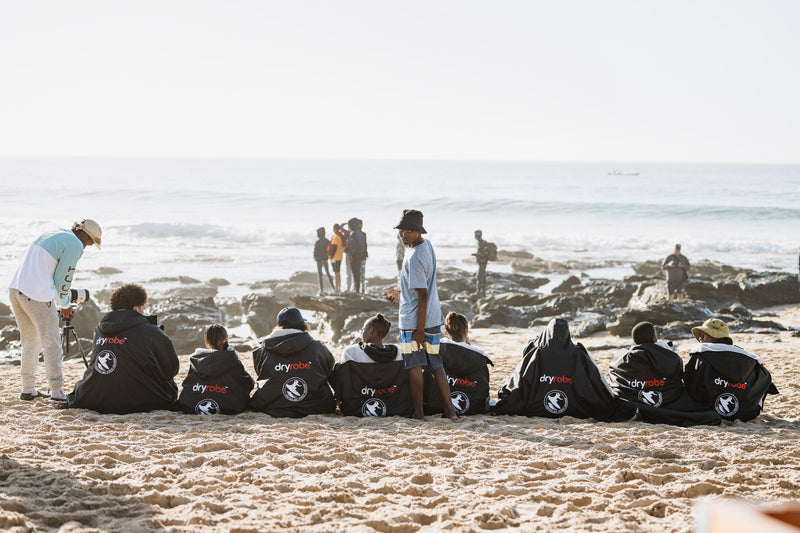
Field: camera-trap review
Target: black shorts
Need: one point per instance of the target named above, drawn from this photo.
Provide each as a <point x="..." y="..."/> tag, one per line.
<point x="336" y="265"/>
<point x="676" y="286"/>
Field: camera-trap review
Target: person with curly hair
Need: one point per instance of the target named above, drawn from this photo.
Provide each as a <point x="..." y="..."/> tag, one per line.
<point x="133" y="363"/>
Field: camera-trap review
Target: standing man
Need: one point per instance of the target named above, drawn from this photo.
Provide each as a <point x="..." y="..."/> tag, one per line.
<point x="357" y="254"/>
<point x="421" y="316"/>
<point x="321" y="248"/>
<point x="487" y="251"/>
<point x="677" y="267"/>
<point x="41" y="283"/>
<point x="336" y="254"/>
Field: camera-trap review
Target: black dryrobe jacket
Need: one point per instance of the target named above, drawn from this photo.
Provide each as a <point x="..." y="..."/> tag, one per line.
<point x="556" y="378"/>
<point x="293" y="371"/>
<point x="132" y="368"/>
<point x="216" y="383"/>
<point x="467" y="373"/>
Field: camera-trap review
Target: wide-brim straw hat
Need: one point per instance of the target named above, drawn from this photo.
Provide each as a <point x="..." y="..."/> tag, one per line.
<point x="714" y="327"/>
<point x="411" y="221"/>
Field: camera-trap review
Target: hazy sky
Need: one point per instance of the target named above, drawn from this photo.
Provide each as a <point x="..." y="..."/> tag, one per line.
<point x="694" y="80"/>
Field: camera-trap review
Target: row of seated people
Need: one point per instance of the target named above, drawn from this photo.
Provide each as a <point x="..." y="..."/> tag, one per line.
<point x="133" y="366"/>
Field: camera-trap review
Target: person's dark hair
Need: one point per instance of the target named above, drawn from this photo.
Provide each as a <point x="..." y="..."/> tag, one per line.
<point x="724" y="340"/>
<point x="381" y="325"/>
<point x="336" y="227"/>
<point x="456" y="325"/>
<point x="128" y="296"/>
<point x="302" y="326"/>
<point x="216" y="337"/>
<point x="643" y="332"/>
<point x="80" y="234"/>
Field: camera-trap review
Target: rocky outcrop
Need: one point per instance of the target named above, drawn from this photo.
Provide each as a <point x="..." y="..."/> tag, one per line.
<point x="185" y="320"/>
<point x="261" y="312"/>
<point x="683" y="311"/>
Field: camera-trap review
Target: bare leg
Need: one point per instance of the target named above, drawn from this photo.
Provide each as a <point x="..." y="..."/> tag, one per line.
<point x="444" y="389"/>
<point x="417" y="386"/>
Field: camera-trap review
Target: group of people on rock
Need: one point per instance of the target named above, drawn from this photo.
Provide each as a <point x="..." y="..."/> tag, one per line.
<point x="349" y="246"/>
<point x="134" y="364"/>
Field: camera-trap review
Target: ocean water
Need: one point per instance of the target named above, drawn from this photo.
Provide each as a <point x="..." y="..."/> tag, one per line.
<point x="251" y="220"/>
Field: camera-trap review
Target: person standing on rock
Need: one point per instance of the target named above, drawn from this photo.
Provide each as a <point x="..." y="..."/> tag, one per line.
<point x="487" y="251"/>
<point x="40" y="285"/>
<point x="336" y="254"/>
<point x="321" y="257"/>
<point x="421" y="315"/>
<point x="677" y="267"/>
<point x="357" y="254"/>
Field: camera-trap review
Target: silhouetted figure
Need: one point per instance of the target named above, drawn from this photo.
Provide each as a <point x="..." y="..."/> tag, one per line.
<point x="487" y="251"/>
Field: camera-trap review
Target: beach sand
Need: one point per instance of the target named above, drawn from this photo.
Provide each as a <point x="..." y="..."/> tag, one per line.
<point x="76" y="470"/>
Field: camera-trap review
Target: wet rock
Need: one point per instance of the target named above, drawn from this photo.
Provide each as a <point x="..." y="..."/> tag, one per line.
<point x="606" y="294"/>
<point x="8" y="335"/>
<point x="307" y="277"/>
<point x="648" y="295"/>
<point x="683" y="311"/>
<point x="231" y="309"/>
<point x="344" y="315"/>
<point x="562" y="306"/>
<point x="7" y="321"/>
<point x="195" y="291"/>
<point x="86" y="318"/>
<point x="185" y="320"/>
<point x="716" y="270"/>
<point x="585" y="324"/>
<point x="218" y="282"/>
<point x="502" y="282"/>
<point x="536" y="264"/>
<point x="107" y="271"/>
<point x="505" y="255"/>
<point x="261" y="312"/>
<point x="457" y="306"/>
<point x="649" y="269"/>
<point x="768" y="289"/>
<point x="5" y="310"/>
<point x="567" y="286"/>
<point x="515" y="299"/>
<point x="713" y="293"/>
<point x="504" y="316"/>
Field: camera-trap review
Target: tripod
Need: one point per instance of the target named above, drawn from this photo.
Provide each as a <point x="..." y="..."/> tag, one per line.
<point x="65" y="331"/>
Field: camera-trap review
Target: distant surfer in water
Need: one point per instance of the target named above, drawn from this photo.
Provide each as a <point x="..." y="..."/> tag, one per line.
<point x="677" y="267"/>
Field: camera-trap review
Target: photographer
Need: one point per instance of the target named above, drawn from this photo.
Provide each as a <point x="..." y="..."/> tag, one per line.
<point x="133" y="364"/>
<point x="41" y="282"/>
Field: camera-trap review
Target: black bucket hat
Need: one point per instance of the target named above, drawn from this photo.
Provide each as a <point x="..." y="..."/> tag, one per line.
<point x="411" y="221"/>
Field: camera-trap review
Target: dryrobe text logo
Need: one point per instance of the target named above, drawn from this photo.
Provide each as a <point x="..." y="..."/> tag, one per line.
<point x="555" y="379"/>
<point x="639" y="384"/>
<point x="206" y="407"/>
<point x="369" y="391"/>
<point x="106" y="362"/>
<point x="556" y="402"/>
<point x="202" y="389"/>
<point x="652" y="398"/>
<point x="726" y="384"/>
<point x="286" y="367"/>
<point x="460" y="402"/>
<point x="726" y="404"/>
<point x="463" y="382"/>
<point x="295" y="389"/>
<point x="374" y="407"/>
<point x="110" y="340"/>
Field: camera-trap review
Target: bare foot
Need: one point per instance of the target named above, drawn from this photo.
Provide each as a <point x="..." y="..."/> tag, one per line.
<point x="418" y="415"/>
<point x="452" y="415"/>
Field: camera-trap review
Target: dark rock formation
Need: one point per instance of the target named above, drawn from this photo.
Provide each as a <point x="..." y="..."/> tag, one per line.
<point x="684" y="311"/>
<point x="185" y="320"/>
<point x="261" y="312"/>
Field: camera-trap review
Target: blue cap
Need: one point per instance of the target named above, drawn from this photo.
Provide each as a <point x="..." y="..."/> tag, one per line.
<point x="290" y="316"/>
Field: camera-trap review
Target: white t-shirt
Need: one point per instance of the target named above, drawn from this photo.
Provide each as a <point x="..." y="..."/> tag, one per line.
<point x="355" y="353"/>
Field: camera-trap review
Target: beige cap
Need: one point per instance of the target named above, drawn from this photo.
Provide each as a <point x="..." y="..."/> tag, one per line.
<point x="714" y="327"/>
<point x="92" y="229"/>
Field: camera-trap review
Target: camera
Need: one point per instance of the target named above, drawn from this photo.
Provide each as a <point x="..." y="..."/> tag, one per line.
<point x="78" y="296"/>
<point x="153" y="319"/>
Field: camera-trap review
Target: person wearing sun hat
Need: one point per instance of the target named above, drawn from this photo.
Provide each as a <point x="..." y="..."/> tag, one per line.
<point x="725" y="377"/>
<point x="39" y="288"/>
<point x="421" y="315"/>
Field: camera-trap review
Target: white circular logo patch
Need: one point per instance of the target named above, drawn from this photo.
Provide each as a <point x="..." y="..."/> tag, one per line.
<point x="460" y="402"/>
<point x="374" y="407"/>
<point x="652" y="398"/>
<point x="295" y="389"/>
<point x="726" y="404"/>
<point x="106" y="362"/>
<point x="556" y="402"/>
<point x="206" y="407"/>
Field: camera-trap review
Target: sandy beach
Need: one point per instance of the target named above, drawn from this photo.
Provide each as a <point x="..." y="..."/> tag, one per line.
<point x="76" y="470"/>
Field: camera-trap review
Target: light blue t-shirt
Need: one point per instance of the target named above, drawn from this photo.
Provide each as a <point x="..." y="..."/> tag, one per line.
<point x="419" y="272"/>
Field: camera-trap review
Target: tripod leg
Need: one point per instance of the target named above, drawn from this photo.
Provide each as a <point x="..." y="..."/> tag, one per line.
<point x="78" y="342"/>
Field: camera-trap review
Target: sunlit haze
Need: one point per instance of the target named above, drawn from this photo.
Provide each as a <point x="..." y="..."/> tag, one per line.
<point x="684" y="81"/>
